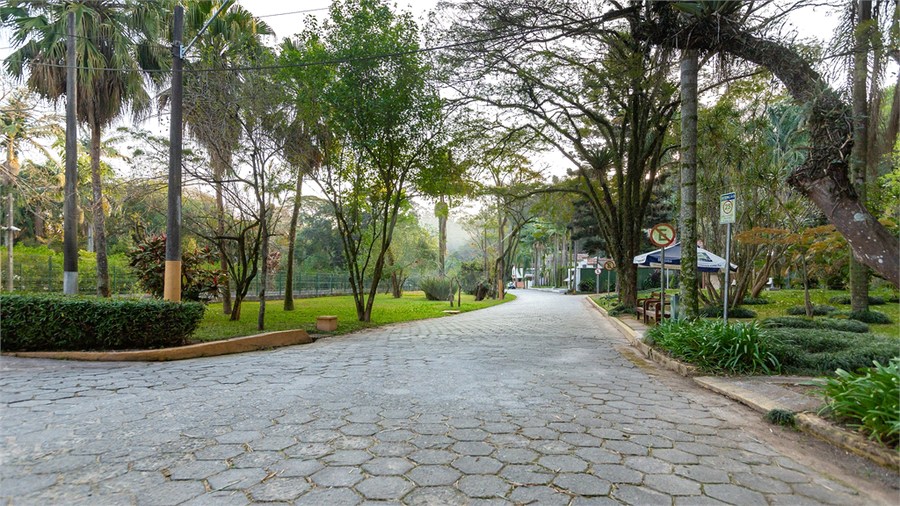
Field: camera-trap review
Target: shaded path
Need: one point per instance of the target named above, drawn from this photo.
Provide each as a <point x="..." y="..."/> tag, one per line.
<point x="527" y="401"/>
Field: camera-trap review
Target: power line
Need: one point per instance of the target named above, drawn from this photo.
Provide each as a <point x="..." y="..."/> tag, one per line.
<point x="293" y="12"/>
<point x="335" y="62"/>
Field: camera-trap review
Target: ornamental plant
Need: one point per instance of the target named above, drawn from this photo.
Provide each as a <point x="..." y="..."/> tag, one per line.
<point x="868" y="401"/>
<point x="200" y="279"/>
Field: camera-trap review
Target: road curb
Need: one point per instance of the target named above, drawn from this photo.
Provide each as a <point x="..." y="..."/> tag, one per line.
<point x="634" y="337"/>
<point x="210" y="349"/>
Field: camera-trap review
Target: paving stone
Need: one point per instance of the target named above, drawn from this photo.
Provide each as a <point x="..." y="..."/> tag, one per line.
<point x="329" y="496"/>
<point x="219" y="452"/>
<point x="395" y="436"/>
<point x="337" y="477"/>
<point x="594" y="501"/>
<point x="477" y="465"/>
<point x="172" y="493"/>
<point x="473" y="448"/>
<point x="26" y="484"/>
<point x="702" y="474"/>
<point x="236" y="479"/>
<point x="257" y="459"/>
<point x="672" y="485"/>
<point x="563" y="464"/>
<point x="616" y="473"/>
<point x="387" y="466"/>
<point x="220" y="498"/>
<point x="483" y="486"/>
<point x="239" y="437"/>
<point x="64" y="463"/>
<point x="279" y="489"/>
<point x="347" y="458"/>
<point x="582" y="484"/>
<point x="762" y="484"/>
<point x="433" y="475"/>
<point x="516" y="456"/>
<point x="527" y="474"/>
<point x="675" y="456"/>
<point x="581" y="440"/>
<point x="551" y="447"/>
<point x="433" y="457"/>
<point x="625" y="448"/>
<point x="640" y="496"/>
<point x="197" y="470"/>
<point x="275" y="443"/>
<point x="781" y="474"/>
<point x="598" y="456"/>
<point x="820" y="493"/>
<point x="543" y="496"/>
<point x="648" y="465"/>
<point x="360" y="429"/>
<point x="308" y="450"/>
<point x="698" y="500"/>
<point x="734" y="494"/>
<point x="431" y="496"/>
<point x="352" y="442"/>
<point x="384" y="487"/>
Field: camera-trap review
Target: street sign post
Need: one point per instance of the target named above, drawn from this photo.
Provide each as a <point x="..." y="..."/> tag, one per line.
<point x="727" y="213"/>
<point x="597" y="271"/>
<point x="609" y="265"/>
<point x="662" y="235"/>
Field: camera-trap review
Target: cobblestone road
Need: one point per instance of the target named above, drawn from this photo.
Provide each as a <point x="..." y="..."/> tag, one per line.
<point x="525" y="403"/>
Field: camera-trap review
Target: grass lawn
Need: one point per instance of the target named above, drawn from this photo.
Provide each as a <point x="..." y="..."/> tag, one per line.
<point x="781" y="300"/>
<point x="412" y="306"/>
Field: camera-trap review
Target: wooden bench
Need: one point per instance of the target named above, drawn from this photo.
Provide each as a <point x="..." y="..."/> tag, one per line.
<point x="652" y="308"/>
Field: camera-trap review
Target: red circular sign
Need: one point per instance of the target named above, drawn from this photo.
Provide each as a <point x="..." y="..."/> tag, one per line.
<point x="609" y="265"/>
<point x="662" y="235"/>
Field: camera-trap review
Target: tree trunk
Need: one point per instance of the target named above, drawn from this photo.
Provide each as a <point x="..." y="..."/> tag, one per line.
<point x="99" y="218"/>
<point x="219" y="169"/>
<point x="626" y="276"/>
<point x="292" y="238"/>
<point x="859" y="273"/>
<point x="38" y="219"/>
<point x="442" y="236"/>
<point x="500" y="267"/>
<point x="236" y="309"/>
<point x="264" y="271"/>
<point x="688" y="215"/>
<point x="806" y="300"/>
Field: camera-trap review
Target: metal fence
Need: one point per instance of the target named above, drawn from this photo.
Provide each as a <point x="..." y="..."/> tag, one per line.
<point x="46" y="277"/>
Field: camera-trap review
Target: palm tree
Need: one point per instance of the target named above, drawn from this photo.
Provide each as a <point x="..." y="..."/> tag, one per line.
<point x="116" y="52"/>
<point x="210" y="107"/>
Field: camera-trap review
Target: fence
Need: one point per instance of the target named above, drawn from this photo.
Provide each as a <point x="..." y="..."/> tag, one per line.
<point x="33" y="277"/>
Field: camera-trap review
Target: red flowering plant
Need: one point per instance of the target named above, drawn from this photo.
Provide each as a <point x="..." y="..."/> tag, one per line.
<point x="200" y="279"/>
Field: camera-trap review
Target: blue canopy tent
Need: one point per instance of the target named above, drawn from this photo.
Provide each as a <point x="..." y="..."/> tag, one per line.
<point x="706" y="261"/>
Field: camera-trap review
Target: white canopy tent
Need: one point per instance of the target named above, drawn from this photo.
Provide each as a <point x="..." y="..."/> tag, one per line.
<point x="706" y="261"/>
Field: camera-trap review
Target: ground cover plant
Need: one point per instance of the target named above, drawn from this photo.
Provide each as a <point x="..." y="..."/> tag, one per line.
<point x="717" y="347"/>
<point x="387" y="309"/>
<point x="820" y="352"/>
<point x="799" y="322"/>
<point x="868" y="400"/>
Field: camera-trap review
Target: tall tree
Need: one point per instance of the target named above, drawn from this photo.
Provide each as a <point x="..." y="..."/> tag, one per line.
<point x="383" y="113"/>
<point x="688" y="232"/>
<point x="116" y="45"/>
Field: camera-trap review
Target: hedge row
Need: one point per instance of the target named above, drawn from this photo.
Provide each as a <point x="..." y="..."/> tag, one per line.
<point x="59" y="323"/>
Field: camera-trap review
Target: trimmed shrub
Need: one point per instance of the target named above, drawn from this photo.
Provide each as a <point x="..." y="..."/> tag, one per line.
<point x="876" y="317"/>
<point x="742" y="348"/>
<point x="588" y="285"/>
<point x="56" y="323"/>
<point x="778" y="322"/>
<point x="437" y="288"/>
<point x="869" y="401"/>
<point x="734" y="312"/>
<point x="818" y="310"/>
<point x="845" y="299"/>
<point x="819" y="352"/>
<point x="755" y="301"/>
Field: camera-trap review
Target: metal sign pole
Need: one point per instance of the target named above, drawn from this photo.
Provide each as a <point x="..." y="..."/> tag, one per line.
<point x="607" y="285"/>
<point x="662" y="277"/>
<point x="727" y="270"/>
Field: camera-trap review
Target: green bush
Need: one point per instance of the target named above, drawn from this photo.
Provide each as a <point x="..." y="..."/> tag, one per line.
<point x="818" y="310"/>
<point x="817" y="352"/>
<point x="755" y="301"/>
<point x="780" y="417"/>
<point x="621" y="309"/>
<point x="778" y="322"/>
<point x="200" y="279"/>
<point x="845" y="299"/>
<point x="734" y="312"/>
<point x="437" y="288"/>
<point x="876" y="317"/>
<point x="869" y="400"/>
<point x="54" y="323"/>
<point x="742" y="348"/>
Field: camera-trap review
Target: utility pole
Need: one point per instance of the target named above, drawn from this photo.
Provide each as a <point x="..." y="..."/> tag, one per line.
<point x="70" y="198"/>
<point x="172" y="279"/>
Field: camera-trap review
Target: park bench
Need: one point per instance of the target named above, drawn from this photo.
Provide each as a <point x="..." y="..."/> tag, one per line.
<point x="652" y="308"/>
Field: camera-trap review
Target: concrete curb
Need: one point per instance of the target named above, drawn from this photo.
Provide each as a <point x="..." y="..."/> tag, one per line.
<point x="847" y="440"/>
<point x="807" y="422"/>
<point x="210" y="349"/>
<point x="634" y="338"/>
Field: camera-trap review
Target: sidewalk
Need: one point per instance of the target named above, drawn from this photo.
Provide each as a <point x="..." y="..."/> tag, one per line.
<point x="763" y="393"/>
